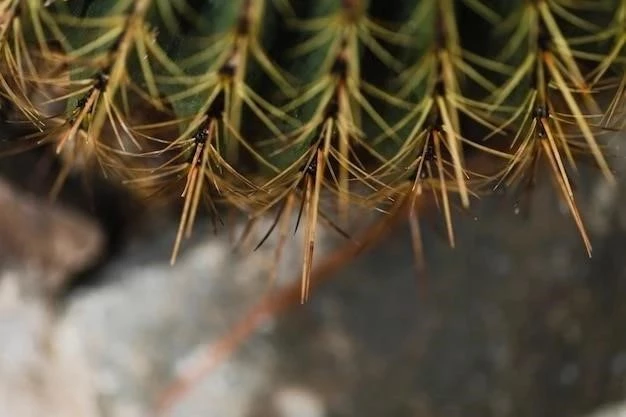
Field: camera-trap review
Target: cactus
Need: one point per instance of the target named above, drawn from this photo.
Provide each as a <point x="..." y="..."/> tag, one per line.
<point x="263" y="105"/>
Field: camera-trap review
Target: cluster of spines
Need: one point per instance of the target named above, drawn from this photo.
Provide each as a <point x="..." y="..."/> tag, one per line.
<point x="269" y="104"/>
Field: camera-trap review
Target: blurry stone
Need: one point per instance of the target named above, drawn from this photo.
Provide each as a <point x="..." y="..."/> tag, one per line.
<point x="516" y="321"/>
<point x="42" y="368"/>
<point x="613" y="410"/>
<point x="43" y="371"/>
<point x="150" y="322"/>
<point x="44" y="237"/>
<point x="297" y="402"/>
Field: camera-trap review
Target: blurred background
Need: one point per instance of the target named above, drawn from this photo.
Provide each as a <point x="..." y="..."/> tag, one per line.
<point x="516" y="321"/>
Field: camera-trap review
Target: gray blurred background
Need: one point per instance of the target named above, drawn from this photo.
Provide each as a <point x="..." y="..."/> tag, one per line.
<point x="516" y="321"/>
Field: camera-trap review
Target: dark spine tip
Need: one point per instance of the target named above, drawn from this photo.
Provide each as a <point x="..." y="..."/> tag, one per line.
<point x="340" y="67"/>
<point x="311" y="168"/>
<point x="229" y="68"/>
<point x="201" y="135"/>
<point x="217" y="108"/>
<point x="243" y="21"/>
<point x="101" y="79"/>
<point x="243" y="25"/>
<point x="541" y="112"/>
<point x="81" y="102"/>
<point x="332" y="108"/>
<point x="544" y="40"/>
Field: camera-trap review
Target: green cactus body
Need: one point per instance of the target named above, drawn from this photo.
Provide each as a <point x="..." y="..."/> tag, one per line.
<point x="260" y="104"/>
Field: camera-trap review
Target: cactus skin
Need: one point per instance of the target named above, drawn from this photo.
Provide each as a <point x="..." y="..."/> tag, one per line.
<point x="263" y="104"/>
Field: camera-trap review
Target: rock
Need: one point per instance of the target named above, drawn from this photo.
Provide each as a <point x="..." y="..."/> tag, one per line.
<point x="43" y="370"/>
<point x="613" y="410"/>
<point x="294" y="401"/>
<point x="516" y="321"/>
<point x="44" y="237"/>
<point x="42" y="367"/>
<point x="149" y="323"/>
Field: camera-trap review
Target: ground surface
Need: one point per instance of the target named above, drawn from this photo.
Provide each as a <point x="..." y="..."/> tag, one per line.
<point x="516" y="321"/>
